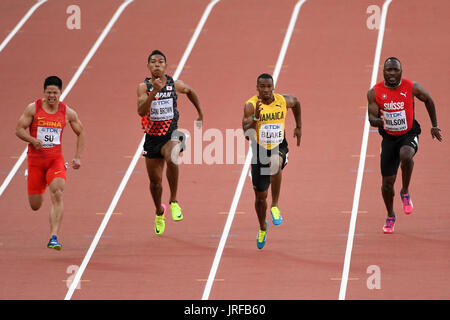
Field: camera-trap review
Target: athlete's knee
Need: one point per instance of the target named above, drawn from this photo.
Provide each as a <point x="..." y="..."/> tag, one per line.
<point x="35" y="206"/>
<point x="406" y="154"/>
<point x="387" y="185"/>
<point x="173" y="160"/>
<point x="35" y="202"/>
<point x="56" y="194"/>
<point x="172" y="156"/>
<point x="155" y="183"/>
<point x="57" y="189"/>
<point x="260" y="197"/>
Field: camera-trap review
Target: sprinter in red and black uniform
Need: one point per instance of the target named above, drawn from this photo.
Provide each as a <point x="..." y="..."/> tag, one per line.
<point x="42" y="125"/>
<point x="157" y="106"/>
<point x="391" y="109"/>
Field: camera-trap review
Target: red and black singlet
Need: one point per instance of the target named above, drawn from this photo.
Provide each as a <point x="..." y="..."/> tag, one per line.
<point x="162" y="118"/>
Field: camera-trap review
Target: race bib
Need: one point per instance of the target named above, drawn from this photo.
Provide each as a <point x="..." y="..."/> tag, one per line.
<point x="50" y="137"/>
<point x="161" y="110"/>
<point x="396" y="121"/>
<point x="271" y="133"/>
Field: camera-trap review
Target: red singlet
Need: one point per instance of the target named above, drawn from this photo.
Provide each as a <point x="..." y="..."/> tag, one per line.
<point x="46" y="163"/>
<point x="397" y="105"/>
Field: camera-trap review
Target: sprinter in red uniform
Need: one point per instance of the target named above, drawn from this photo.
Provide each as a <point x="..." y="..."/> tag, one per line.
<point x="391" y="109"/>
<point x="42" y="125"/>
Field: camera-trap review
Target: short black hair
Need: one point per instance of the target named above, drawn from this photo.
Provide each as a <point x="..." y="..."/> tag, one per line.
<point x="156" y="52"/>
<point x="53" y="81"/>
<point x="392" y="58"/>
<point x="264" y="76"/>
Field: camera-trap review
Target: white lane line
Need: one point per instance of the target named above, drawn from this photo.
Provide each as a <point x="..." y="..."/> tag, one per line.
<point x="21" y="23"/>
<point x="362" y="159"/>
<point x="13" y="171"/>
<point x="245" y="169"/>
<point x="2" y="46"/>
<point x="135" y="159"/>
<point x="69" y="87"/>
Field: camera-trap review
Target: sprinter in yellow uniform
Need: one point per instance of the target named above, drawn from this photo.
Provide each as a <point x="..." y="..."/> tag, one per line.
<point x="264" y="124"/>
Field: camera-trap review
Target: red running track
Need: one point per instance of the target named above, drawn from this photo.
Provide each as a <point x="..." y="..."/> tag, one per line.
<point x="414" y="261"/>
<point x="328" y="66"/>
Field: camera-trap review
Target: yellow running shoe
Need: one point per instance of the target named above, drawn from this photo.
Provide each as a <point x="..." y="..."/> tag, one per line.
<point x="277" y="219"/>
<point x="262" y="236"/>
<point x="160" y="224"/>
<point x="177" y="215"/>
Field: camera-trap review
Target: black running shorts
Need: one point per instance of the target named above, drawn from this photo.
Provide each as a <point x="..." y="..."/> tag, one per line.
<point x="261" y="164"/>
<point x="153" y="144"/>
<point x="390" y="151"/>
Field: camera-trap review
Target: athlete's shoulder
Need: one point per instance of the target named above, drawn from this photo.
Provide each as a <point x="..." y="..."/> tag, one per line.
<point x="30" y="109"/>
<point x="32" y="105"/>
<point x="177" y="83"/>
<point x="71" y="114"/>
<point x="252" y="100"/>
<point x="288" y="100"/>
<point x="278" y="96"/>
<point x="285" y="97"/>
<point x="142" y="88"/>
<point x="408" y="82"/>
<point x="378" y="85"/>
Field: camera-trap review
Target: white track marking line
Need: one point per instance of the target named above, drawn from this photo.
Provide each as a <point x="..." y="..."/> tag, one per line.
<point x="135" y="159"/>
<point x="2" y="46"/>
<point x="21" y="23"/>
<point x="362" y="159"/>
<point x="69" y="86"/>
<point x="245" y="169"/>
<point x="13" y="171"/>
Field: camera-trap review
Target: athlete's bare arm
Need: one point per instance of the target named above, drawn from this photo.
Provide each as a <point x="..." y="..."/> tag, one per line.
<point x="183" y="88"/>
<point x="25" y="121"/>
<point x="77" y="127"/>
<point x="373" y="110"/>
<point x="145" y="99"/>
<point x="293" y="103"/>
<point x="424" y="96"/>
<point x="248" y="121"/>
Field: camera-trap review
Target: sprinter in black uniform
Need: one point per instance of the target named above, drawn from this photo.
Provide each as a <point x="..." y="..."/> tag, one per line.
<point x="157" y="105"/>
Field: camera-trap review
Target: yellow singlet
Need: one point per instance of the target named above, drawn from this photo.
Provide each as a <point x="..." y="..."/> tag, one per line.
<point x="270" y="127"/>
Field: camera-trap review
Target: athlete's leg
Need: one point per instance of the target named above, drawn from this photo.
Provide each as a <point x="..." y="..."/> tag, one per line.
<point x="171" y="152"/>
<point x="36" y="184"/>
<point x="261" y="174"/>
<point x="389" y="163"/>
<point x="261" y="208"/>
<point x="56" y="188"/>
<point x="387" y="190"/>
<point x="407" y="165"/>
<point x="155" y="168"/>
<point x="275" y="183"/>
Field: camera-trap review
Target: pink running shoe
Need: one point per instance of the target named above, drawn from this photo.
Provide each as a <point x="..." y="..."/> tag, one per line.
<point x="407" y="203"/>
<point x="389" y="226"/>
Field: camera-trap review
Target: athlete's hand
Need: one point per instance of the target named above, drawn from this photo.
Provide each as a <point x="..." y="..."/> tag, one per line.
<point x="37" y="144"/>
<point x="157" y="84"/>
<point x="199" y="121"/>
<point x="258" y="109"/>
<point x="76" y="163"/>
<point x="383" y="121"/>
<point x="298" y="134"/>
<point x="436" y="133"/>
